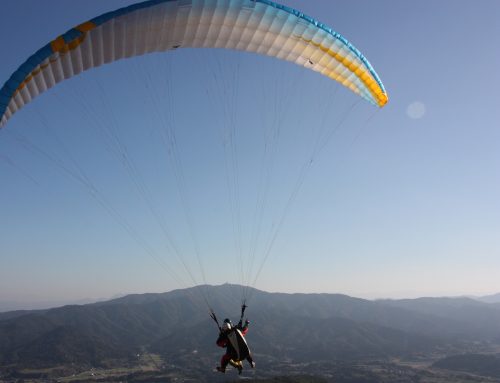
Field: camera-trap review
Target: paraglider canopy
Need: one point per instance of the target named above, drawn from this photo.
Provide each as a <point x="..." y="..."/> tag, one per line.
<point x="259" y="26"/>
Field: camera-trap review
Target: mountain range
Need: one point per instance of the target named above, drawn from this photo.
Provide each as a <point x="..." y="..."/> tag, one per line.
<point x="286" y="330"/>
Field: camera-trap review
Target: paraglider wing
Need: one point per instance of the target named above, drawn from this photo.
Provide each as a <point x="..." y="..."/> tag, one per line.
<point x="259" y="26"/>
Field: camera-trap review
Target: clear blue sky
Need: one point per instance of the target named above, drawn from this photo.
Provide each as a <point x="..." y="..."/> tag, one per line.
<point x="401" y="202"/>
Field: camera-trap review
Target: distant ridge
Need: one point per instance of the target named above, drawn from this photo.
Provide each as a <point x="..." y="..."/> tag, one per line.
<point x="297" y="328"/>
<point x="494" y="298"/>
<point x="6" y="306"/>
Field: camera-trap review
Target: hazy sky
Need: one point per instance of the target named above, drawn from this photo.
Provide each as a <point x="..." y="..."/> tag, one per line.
<point x="401" y="202"/>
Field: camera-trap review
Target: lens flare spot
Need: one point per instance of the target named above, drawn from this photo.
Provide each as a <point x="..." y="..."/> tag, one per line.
<point x="416" y="110"/>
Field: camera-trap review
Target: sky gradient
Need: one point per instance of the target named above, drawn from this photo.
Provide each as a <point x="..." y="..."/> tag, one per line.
<point x="401" y="202"/>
